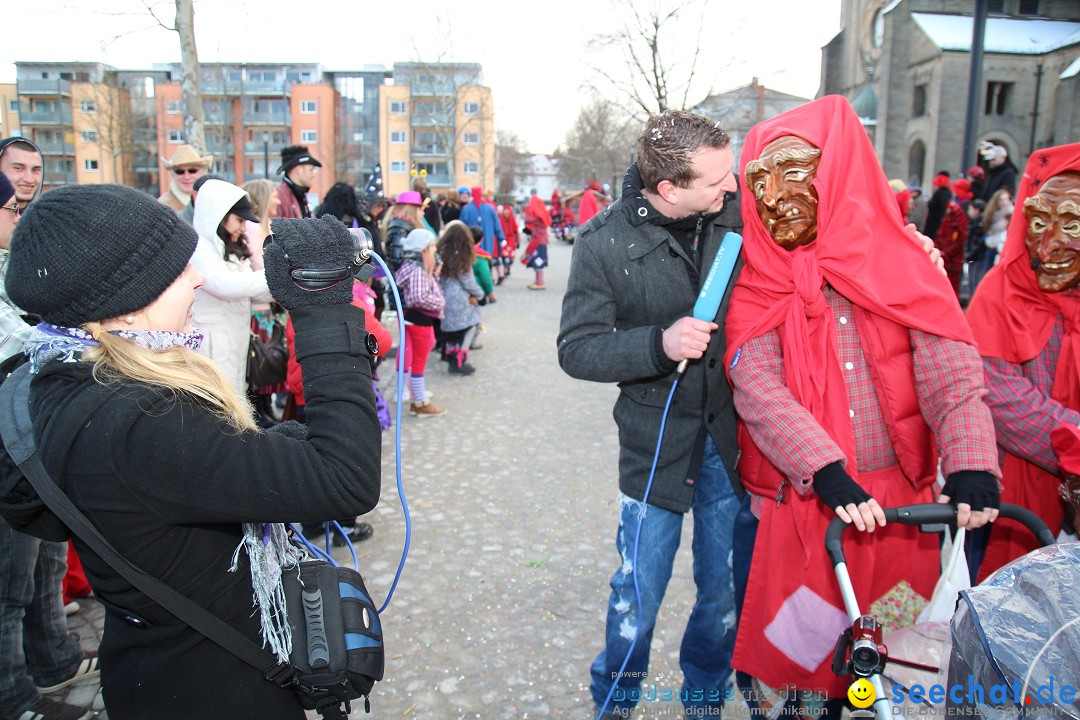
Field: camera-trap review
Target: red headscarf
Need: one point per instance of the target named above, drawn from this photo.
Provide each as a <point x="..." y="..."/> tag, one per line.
<point x="1012" y="319"/>
<point x="537" y="208"/>
<point x="861" y="250"/>
<point x="962" y="190"/>
<point x="903" y="200"/>
<point x="478" y="197"/>
<point x="1010" y="316"/>
<point x="587" y="208"/>
<point x="556" y="201"/>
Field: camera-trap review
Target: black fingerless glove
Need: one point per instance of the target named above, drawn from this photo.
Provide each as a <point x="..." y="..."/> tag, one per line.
<point x="977" y="488"/>
<point x="323" y="248"/>
<point x="836" y="489"/>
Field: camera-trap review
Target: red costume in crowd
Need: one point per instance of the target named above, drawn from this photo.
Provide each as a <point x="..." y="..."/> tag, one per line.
<point x="1030" y="342"/>
<point x="833" y="360"/>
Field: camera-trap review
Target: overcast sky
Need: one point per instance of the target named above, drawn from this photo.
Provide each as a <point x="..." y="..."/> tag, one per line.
<point x="535" y="60"/>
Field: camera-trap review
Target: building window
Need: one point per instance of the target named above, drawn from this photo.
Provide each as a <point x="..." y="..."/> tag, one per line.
<point x="172" y="107"/>
<point x="309" y="136"/>
<point x="995" y="6"/>
<point x="88" y="106"/>
<point x="358" y="137"/>
<point x="471" y="167"/>
<point x="13" y="106"/>
<point x="397" y="137"/>
<point x="309" y="107"/>
<point x="1029" y="7"/>
<point x="176" y="136"/>
<point x="471" y="108"/>
<point x="90" y="165"/>
<point x="397" y="107"/>
<point x="918" y="106"/>
<point x="397" y="166"/>
<point x="997" y="97"/>
<point x="89" y="136"/>
<point x="471" y="138"/>
<point x="233" y="76"/>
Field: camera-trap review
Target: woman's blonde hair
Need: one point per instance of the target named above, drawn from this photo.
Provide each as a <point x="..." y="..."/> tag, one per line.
<point x="260" y="191"/>
<point x="993" y="206"/>
<point x="179" y="369"/>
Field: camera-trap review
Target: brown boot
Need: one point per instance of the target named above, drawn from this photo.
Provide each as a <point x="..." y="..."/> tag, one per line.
<point x="426" y="409"/>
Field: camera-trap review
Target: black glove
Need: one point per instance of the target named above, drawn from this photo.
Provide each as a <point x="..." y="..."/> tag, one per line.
<point x="836" y="489"/>
<point x="321" y="246"/>
<point x="977" y="488"/>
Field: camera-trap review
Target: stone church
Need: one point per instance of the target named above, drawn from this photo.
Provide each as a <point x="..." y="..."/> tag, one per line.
<point x="904" y="65"/>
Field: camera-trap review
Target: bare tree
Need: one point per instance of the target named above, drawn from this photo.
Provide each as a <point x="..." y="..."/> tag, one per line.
<point x="184" y="26"/>
<point x="652" y="34"/>
<point x="113" y="124"/>
<point x="510" y="157"/>
<point x="598" y="146"/>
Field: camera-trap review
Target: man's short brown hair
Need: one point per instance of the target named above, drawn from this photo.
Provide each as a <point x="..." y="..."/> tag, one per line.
<point x="669" y="140"/>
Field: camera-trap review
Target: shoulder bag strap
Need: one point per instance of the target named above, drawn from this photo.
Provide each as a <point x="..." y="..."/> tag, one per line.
<point x="16" y="429"/>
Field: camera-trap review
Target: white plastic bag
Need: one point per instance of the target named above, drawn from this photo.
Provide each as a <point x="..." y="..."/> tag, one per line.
<point x="954" y="578"/>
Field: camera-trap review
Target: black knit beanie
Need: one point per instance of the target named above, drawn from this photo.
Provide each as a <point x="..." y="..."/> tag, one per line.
<point x="85" y="253"/>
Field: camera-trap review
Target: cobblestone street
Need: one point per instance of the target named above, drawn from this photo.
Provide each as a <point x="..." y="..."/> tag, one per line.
<point x="513" y="495"/>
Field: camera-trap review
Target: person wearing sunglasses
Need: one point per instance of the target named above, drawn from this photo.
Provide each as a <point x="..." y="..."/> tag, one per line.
<point x="186" y="166"/>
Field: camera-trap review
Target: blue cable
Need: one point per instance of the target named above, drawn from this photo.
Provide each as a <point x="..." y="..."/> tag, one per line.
<point x="348" y="542"/>
<point x="400" y="363"/>
<point x="637" y="542"/>
<point x="302" y="539"/>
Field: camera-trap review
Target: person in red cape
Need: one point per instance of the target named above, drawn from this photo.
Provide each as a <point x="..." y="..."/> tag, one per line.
<point x="588" y="207"/>
<point x="851" y="365"/>
<point x="510" y="230"/>
<point x="1027" y="324"/>
<point x="537" y="220"/>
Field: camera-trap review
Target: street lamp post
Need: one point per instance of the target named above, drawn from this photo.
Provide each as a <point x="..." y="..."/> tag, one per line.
<point x="266" y="155"/>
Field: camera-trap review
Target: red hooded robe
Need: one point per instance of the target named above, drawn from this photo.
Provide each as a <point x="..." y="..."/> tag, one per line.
<point x="1012" y="320"/>
<point x="861" y="249"/>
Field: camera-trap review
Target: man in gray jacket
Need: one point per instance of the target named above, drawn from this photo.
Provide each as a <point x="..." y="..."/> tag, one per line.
<point x="626" y="318"/>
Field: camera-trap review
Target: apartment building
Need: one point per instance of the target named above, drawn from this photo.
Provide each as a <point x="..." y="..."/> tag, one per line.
<point x="96" y="123"/>
<point x="438" y="118"/>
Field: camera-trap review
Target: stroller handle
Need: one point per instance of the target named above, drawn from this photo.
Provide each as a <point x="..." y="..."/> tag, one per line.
<point x="931" y="514"/>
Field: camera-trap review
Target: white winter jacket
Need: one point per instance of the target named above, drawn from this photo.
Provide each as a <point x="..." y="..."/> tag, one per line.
<point x="222" y="310"/>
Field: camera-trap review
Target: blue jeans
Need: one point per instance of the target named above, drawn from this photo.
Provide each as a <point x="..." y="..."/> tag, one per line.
<point x="34" y="641"/>
<point x="709" y="639"/>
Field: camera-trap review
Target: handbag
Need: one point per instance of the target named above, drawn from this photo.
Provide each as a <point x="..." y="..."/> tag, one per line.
<point x="268" y="360"/>
<point x="337" y="653"/>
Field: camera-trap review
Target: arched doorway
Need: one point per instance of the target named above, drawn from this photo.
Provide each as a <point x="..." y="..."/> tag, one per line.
<point x="916" y="163"/>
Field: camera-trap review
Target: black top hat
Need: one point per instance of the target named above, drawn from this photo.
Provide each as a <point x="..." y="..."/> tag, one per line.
<point x="296" y="155"/>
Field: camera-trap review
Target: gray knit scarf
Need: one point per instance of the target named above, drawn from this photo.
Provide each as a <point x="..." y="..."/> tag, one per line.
<point x="267" y="544"/>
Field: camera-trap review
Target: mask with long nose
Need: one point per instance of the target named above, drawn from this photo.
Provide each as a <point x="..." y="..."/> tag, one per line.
<point x="1053" y="233"/>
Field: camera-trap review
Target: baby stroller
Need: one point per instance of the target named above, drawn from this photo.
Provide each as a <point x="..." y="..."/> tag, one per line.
<point x="862" y="652"/>
<point x="1020" y="631"/>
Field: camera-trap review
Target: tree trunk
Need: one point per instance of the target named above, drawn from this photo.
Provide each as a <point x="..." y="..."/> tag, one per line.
<point x="189" y="58"/>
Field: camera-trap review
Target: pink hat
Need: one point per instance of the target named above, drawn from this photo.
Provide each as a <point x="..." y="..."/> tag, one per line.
<point x="410" y="197"/>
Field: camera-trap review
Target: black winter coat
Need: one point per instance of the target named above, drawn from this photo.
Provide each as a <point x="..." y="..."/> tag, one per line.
<point x="629" y="280"/>
<point x="169" y="485"/>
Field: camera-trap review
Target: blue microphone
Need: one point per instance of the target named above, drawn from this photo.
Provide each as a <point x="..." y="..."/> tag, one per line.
<point x="712" y="290"/>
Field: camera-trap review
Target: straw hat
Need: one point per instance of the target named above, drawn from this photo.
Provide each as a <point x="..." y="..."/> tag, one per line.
<point x="187" y="155"/>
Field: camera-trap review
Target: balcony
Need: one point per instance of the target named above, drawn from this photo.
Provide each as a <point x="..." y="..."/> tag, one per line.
<point x="56" y="148"/>
<point x="266" y="118"/>
<point x="46" y="117"/>
<point x="44" y="87"/>
<point x="430" y="150"/>
<point x="262" y="87"/>
<point x="438" y="180"/>
<point x="431" y="121"/>
<point x="255" y="147"/>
